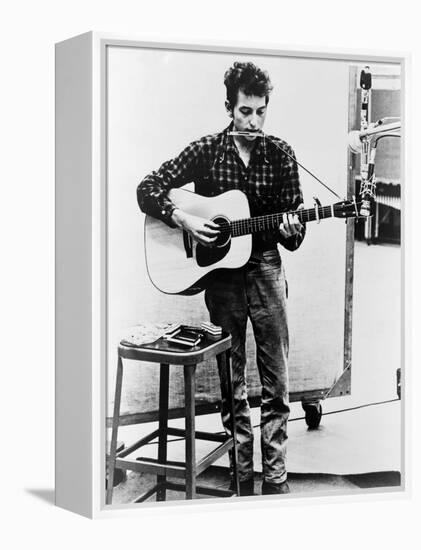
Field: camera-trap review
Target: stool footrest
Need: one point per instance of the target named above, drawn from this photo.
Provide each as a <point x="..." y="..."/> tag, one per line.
<point x="173" y="486"/>
<point x="151" y="467"/>
<point x="209" y="459"/>
<point x="144" y="441"/>
<point x="201" y="490"/>
<point x="156" y="461"/>
<point x="208" y="436"/>
<point x="173" y="468"/>
<point x="201" y="466"/>
<point x="148" y="494"/>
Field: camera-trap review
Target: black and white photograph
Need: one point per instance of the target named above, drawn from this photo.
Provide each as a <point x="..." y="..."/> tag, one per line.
<point x="210" y="274"/>
<point x="253" y="274"/>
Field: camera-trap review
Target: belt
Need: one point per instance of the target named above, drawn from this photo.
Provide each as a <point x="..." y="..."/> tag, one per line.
<point x="260" y="253"/>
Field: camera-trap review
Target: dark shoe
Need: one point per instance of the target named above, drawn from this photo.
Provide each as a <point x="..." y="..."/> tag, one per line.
<point x="275" y="488"/>
<point x="246" y="488"/>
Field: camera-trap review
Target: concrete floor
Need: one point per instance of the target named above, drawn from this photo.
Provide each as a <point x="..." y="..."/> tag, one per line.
<point x="302" y="484"/>
<point x="358" y="444"/>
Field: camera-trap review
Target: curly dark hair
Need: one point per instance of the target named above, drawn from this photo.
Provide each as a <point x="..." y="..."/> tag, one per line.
<point x="249" y="79"/>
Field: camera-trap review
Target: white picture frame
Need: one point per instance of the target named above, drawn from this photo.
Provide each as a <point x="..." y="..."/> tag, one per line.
<point x="81" y="255"/>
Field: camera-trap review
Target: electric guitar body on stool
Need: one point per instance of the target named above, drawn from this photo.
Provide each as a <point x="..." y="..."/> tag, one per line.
<point x="176" y="264"/>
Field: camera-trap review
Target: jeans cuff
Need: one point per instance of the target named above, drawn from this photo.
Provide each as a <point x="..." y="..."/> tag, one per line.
<point x="276" y="480"/>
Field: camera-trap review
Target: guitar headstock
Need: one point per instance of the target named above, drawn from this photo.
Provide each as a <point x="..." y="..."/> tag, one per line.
<point x="347" y="209"/>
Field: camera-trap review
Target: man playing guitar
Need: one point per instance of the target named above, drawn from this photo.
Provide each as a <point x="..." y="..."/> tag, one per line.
<point x="242" y="157"/>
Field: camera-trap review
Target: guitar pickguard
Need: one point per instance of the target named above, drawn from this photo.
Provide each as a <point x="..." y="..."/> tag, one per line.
<point x="206" y="256"/>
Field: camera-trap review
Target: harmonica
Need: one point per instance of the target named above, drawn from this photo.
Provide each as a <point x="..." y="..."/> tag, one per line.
<point x="245" y="133"/>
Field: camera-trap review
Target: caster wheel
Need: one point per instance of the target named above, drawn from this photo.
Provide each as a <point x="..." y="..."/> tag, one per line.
<point x="313" y="414"/>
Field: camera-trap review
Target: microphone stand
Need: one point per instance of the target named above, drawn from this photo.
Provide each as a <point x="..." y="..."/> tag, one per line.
<point x="365" y="143"/>
<point x="362" y="142"/>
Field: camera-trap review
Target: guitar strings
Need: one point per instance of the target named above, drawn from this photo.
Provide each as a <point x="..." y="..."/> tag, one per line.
<point x="247" y="225"/>
<point x="263" y="222"/>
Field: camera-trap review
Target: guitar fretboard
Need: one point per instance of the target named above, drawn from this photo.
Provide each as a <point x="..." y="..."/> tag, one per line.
<point x="272" y="221"/>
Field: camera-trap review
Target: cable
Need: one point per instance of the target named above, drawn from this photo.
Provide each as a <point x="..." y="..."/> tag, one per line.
<point x="349" y="409"/>
<point x="385" y="135"/>
<point x="298" y="418"/>
<point x="292" y="157"/>
<point x="341" y="410"/>
<point x="303" y="167"/>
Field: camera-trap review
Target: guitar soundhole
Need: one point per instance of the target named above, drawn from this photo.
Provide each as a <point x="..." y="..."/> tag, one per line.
<point x="210" y="255"/>
<point x="225" y="235"/>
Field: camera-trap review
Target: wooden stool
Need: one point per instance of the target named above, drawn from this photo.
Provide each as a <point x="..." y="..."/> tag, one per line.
<point x="167" y="354"/>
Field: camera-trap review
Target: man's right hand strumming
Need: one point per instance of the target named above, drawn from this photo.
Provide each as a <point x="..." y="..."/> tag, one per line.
<point x="202" y="230"/>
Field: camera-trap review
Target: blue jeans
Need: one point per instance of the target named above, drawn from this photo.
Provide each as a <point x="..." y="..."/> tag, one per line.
<point x="256" y="291"/>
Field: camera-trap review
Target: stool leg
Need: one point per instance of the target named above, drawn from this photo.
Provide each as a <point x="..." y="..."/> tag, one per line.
<point x="163" y="426"/>
<point x="234" y="455"/>
<point x="190" y="410"/>
<point x="114" y="432"/>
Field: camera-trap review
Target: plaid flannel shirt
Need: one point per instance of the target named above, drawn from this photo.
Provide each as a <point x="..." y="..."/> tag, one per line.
<point x="270" y="181"/>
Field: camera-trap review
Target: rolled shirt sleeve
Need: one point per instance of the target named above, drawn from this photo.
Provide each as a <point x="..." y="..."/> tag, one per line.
<point x="152" y="192"/>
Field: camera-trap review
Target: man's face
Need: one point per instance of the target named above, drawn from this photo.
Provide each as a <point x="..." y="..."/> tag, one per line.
<point x="249" y="113"/>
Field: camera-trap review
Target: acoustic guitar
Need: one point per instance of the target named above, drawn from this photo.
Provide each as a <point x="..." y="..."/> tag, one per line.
<point x="177" y="264"/>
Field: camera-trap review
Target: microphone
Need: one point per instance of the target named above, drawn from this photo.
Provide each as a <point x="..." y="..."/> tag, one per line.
<point x="359" y="143"/>
<point x="354" y="141"/>
<point x="356" y="138"/>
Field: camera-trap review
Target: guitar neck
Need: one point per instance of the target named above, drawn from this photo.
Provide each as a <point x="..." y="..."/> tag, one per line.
<point x="272" y="221"/>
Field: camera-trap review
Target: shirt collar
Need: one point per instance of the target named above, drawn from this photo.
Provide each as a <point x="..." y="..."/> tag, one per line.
<point x="227" y="144"/>
<point x="224" y="143"/>
<point x="261" y="149"/>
